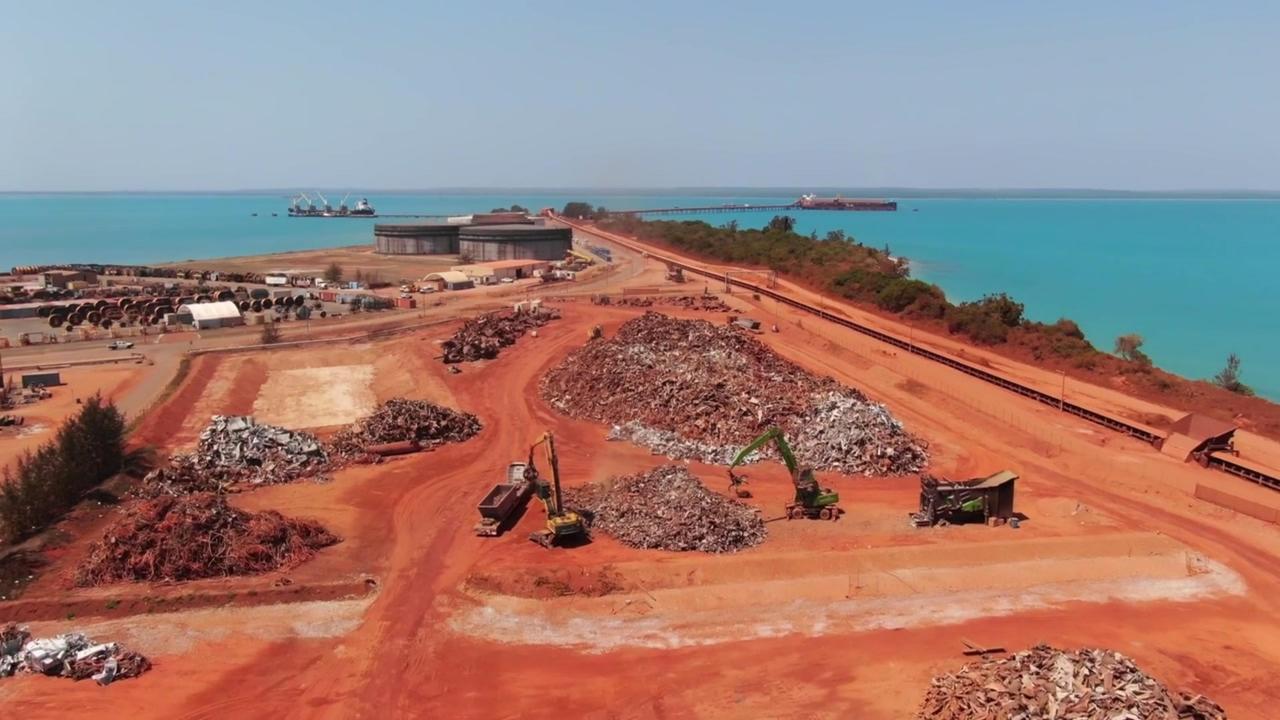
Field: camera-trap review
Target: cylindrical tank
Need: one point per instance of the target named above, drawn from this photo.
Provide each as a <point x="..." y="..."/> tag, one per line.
<point x="243" y="305"/>
<point x="75" y="318"/>
<point x="57" y="320"/>
<point x="256" y="306"/>
<point x="107" y="323"/>
<point x="94" y="317"/>
<point x="267" y="303"/>
<point x="225" y="295"/>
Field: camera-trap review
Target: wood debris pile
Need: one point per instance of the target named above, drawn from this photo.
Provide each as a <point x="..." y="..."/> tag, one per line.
<point x="399" y="419"/>
<point x="1045" y="682"/>
<point x="483" y="337"/>
<point x="71" y="656"/>
<point x="236" y="450"/>
<point x="198" y="536"/>
<point x="667" y="509"/>
<point x="681" y="387"/>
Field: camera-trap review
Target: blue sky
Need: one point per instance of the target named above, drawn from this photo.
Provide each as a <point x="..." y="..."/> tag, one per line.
<point x="164" y="95"/>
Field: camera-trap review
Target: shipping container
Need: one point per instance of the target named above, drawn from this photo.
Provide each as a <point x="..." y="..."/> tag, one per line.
<point x="47" y="379"/>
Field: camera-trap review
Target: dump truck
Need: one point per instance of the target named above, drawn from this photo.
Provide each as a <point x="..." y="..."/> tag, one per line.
<point x="500" y="503"/>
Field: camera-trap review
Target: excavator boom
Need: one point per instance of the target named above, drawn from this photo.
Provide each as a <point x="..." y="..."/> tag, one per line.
<point x="811" y="500"/>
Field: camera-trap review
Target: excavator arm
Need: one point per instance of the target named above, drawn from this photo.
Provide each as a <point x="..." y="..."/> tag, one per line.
<point x="772" y="434"/>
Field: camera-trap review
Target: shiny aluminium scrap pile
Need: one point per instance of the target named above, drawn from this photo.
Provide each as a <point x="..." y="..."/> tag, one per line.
<point x="236" y="450"/>
<point x="71" y="656"/>
<point x="681" y="387"/>
<point x="399" y="419"/>
<point x="667" y="509"/>
<point x="197" y="536"/>
<point x="1045" y="682"/>
<point x="483" y="337"/>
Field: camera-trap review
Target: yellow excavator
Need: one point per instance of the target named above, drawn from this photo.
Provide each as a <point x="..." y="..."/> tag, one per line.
<point x="564" y="526"/>
<point x="811" y="500"/>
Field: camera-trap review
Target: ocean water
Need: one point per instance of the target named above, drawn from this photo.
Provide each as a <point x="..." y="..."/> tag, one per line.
<point x="1195" y="277"/>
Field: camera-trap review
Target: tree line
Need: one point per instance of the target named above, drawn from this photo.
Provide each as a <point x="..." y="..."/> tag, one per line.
<point x="45" y="484"/>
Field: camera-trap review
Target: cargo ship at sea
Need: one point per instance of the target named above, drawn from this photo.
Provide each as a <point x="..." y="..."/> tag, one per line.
<point x="813" y="202"/>
<point x="304" y="206"/>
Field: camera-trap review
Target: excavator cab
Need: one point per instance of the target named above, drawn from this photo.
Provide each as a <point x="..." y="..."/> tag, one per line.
<point x="811" y="499"/>
<point x="564" y="526"/>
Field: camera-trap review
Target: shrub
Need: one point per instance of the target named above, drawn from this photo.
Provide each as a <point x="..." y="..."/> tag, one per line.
<point x="1229" y="377"/>
<point x="900" y="293"/>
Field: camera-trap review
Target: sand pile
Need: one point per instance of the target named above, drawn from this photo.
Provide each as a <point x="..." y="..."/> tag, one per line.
<point x="690" y="389"/>
<point x="1045" y="682"/>
<point x="399" y="419"/>
<point x="198" y="536"/>
<point x="667" y="509"/>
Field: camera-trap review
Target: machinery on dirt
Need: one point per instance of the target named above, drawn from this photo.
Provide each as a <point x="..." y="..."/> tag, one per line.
<point x="811" y="501"/>
<point x="564" y="526"/>
<point x="500" y="503"/>
<point x="675" y="273"/>
<point x="595" y="333"/>
<point x="987" y="500"/>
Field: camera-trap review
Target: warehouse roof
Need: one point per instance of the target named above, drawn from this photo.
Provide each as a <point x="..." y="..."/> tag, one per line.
<point x="449" y="276"/>
<point x="210" y="311"/>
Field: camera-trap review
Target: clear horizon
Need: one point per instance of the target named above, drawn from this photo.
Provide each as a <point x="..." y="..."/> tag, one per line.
<point x="991" y="96"/>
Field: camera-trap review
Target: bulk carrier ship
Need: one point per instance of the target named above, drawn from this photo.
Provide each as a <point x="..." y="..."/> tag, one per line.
<point x="304" y="206"/>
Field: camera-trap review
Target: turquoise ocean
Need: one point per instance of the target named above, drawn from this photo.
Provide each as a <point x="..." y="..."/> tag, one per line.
<point x="1195" y="277"/>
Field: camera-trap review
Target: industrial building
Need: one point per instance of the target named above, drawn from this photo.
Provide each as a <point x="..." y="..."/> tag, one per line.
<point x="483" y="243"/>
<point x="448" y="280"/>
<point x="416" y="239"/>
<point x="489" y="273"/>
<point x="209" y="316"/>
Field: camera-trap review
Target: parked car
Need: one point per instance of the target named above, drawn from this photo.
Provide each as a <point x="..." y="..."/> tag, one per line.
<point x="119" y="345"/>
<point x="506" y="281"/>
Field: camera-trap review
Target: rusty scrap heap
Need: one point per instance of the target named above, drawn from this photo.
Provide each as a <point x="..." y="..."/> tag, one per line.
<point x="1045" y="682"/>
<point x="399" y="419"/>
<point x="234" y="450"/>
<point x="690" y="389"/>
<point x="667" y="509"/>
<point x="483" y="337"/>
<point x="71" y="656"/>
<point x="198" y="536"/>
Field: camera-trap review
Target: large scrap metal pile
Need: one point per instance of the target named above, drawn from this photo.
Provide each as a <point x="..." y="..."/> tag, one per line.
<point x="398" y="420"/>
<point x="707" y="302"/>
<point x="236" y="450"/>
<point x="198" y="536"/>
<point x="71" y="656"/>
<point x="690" y="389"/>
<point x="483" y="337"/>
<point x="1045" y="682"/>
<point x="667" y="509"/>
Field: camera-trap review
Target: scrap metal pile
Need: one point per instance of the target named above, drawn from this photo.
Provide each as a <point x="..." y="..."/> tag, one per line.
<point x="690" y="389"/>
<point x="667" y="509"/>
<point x="398" y="420"/>
<point x="236" y="450"/>
<point x="707" y="302"/>
<point x="483" y="337"/>
<point x="71" y="656"/>
<point x="198" y="536"/>
<point x="1045" y="682"/>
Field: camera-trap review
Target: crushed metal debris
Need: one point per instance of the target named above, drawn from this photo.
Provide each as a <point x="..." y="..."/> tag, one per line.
<point x="708" y="303"/>
<point x="1045" y="682"/>
<point x="693" y="389"/>
<point x="399" y="420"/>
<point x="667" y="508"/>
<point x="71" y="656"/>
<point x="484" y="336"/>
<point x="198" y="536"/>
<point x="236" y="450"/>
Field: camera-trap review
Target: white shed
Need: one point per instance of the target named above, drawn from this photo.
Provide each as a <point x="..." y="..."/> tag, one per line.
<point x="206" y="316"/>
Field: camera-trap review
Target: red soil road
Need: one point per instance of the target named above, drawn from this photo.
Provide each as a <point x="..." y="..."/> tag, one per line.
<point x="404" y="661"/>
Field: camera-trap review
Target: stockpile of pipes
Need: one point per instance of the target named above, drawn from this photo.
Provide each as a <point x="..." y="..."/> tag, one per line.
<point x="694" y="389"/>
<point x="667" y="509"/>
<point x="483" y="337"/>
<point x="236" y="450"/>
<point x="400" y="420"/>
<point x="198" y="536"/>
<point x="1045" y="682"/>
<point x="71" y="656"/>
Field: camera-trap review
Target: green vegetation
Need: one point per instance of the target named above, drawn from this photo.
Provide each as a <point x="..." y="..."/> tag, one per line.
<point x="584" y="211"/>
<point x="839" y="264"/>
<point x="1129" y="347"/>
<point x="513" y="208"/>
<point x="1229" y="377"/>
<point x="333" y="273"/>
<point x="47" y="483"/>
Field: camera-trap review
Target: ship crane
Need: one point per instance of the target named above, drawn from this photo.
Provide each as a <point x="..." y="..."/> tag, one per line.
<point x="342" y="206"/>
<point x="323" y="199"/>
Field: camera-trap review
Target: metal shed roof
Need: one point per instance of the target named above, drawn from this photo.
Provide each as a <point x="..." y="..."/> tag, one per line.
<point x="449" y="276"/>
<point x="210" y="311"/>
<point x="1201" y="427"/>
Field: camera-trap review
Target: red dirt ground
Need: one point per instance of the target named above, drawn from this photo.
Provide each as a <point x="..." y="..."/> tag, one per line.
<point x="408" y="524"/>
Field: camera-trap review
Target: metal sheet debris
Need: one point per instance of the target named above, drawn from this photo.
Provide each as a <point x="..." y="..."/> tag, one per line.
<point x="71" y="655"/>
<point x="235" y="450"/>
<point x="691" y="389"/>
<point x="400" y="420"/>
<point x="667" y="508"/>
<point x="484" y="336"/>
<point x="197" y="536"/>
<point x="1045" y="682"/>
